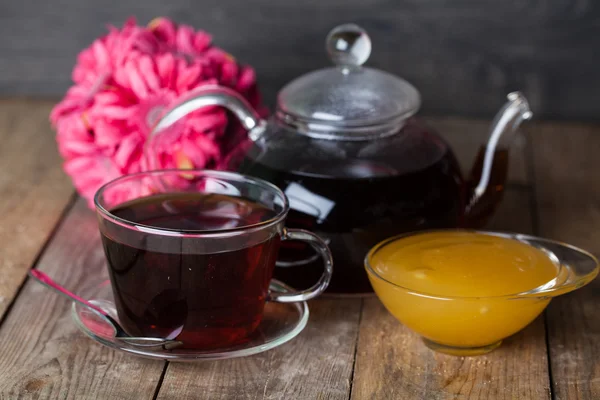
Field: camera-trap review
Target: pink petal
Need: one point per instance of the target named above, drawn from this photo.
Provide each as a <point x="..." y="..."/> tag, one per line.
<point x="246" y="79"/>
<point x="93" y="168"/>
<point x="72" y="127"/>
<point x="112" y="112"/>
<point x="146" y="42"/>
<point x="89" y="173"/>
<point x="148" y="111"/>
<point x="200" y="150"/>
<point x="109" y="97"/>
<point x="135" y="78"/>
<point x="76" y="165"/>
<point x="217" y="55"/>
<point x="78" y="91"/>
<point x="129" y="151"/>
<point x="130" y="22"/>
<point x="170" y="136"/>
<point x="202" y="41"/>
<point x="63" y="108"/>
<point x="229" y="72"/>
<point x="187" y="77"/>
<point x="100" y="54"/>
<point x="86" y="66"/>
<point x="165" y="30"/>
<point x="185" y="38"/>
<point x="70" y="149"/>
<point x="165" y="64"/>
<point x="196" y="156"/>
<point x="121" y="77"/>
<point x="148" y="71"/>
<point x="216" y="120"/>
<point x="107" y="134"/>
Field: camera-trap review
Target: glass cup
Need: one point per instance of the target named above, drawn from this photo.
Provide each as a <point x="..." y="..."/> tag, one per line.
<point x="206" y="288"/>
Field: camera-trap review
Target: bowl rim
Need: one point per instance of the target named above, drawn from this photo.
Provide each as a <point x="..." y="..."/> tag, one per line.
<point x="538" y="292"/>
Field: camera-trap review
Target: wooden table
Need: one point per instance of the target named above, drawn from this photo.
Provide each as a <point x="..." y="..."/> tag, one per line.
<point x="351" y="349"/>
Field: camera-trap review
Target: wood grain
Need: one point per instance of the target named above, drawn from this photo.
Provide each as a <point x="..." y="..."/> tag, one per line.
<point x="567" y="172"/>
<point x="393" y="363"/>
<point x="318" y="363"/>
<point x="34" y="191"/>
<point x="464" y="56"/>
<point x="315" y="365"/>
<point x="44" y="356"/>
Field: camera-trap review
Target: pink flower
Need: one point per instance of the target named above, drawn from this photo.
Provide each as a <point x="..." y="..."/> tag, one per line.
<point x="123" y="82"/>
<point x="90" y="172"/>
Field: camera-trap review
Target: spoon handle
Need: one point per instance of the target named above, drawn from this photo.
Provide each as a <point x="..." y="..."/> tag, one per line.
<point x="49" y="283"/>
<point x="144" y="343"/>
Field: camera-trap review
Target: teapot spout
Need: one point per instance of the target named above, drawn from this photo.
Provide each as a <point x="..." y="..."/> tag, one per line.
<point x="488" y="175"/>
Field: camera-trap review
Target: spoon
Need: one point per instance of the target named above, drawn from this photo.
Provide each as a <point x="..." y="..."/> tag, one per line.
<point x="147" y="343"/>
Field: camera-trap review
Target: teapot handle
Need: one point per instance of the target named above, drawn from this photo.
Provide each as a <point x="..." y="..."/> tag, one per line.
<point x="206" y="96"/>
<point x="507" y="120"/>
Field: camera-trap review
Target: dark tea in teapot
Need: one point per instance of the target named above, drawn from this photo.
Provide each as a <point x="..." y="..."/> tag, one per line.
<point x="346" y="147"/>
<point x="355" y="203"/>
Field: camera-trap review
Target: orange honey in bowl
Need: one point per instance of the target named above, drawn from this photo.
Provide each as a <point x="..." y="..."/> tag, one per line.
<point x="461" y="290"/>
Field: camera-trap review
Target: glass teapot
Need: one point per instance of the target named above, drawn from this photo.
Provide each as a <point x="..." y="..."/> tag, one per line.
<point x="355" y="163"/>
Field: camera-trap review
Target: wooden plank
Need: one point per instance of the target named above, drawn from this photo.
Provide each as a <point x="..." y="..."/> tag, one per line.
<point x="315" y="365"/>
<point x="567" y="172"/>
<point x="393" y="363"/>
<point x="44" y="356"/>
<point x="33" y="190"/>
<point x="467" y="136"/>
<point x="330" y="364"/>
<point x="463" y="55"/>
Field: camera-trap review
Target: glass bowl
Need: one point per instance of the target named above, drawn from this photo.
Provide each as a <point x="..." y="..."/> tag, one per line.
<point x="467" y="326"/>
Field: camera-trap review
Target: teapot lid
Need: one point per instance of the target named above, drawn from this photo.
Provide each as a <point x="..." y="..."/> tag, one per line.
<point x="348" y="101"/>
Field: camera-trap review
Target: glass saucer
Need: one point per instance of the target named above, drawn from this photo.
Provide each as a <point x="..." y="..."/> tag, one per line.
<point x="281" y="323"/>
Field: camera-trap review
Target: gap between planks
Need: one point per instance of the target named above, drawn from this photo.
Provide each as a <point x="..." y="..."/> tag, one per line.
<point x="535" y="228"/>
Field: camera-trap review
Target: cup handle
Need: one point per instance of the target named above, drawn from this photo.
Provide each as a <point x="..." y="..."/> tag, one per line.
<point x="323" y="250"/>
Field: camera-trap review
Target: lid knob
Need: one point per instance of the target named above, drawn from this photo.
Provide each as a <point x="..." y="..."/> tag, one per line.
<point x="348" y="45"/>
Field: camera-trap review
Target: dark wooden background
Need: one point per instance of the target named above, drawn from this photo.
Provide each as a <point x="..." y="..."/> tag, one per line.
<point x="464" y="55"/>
